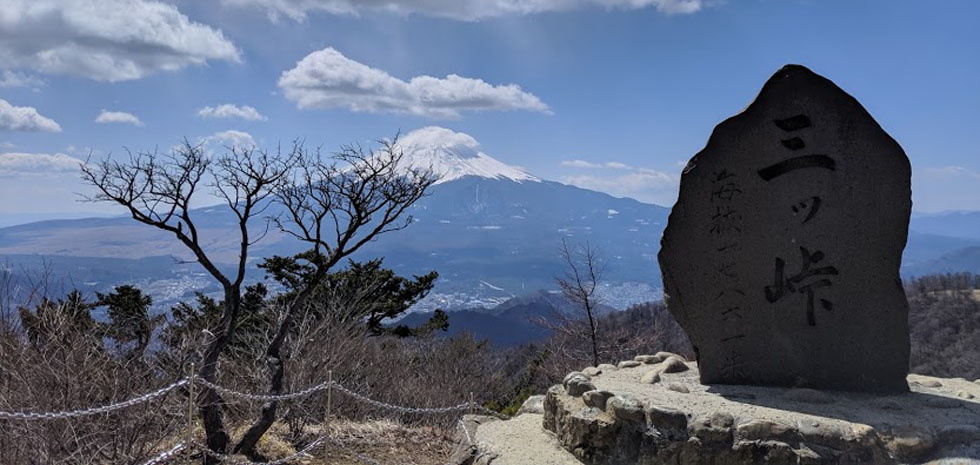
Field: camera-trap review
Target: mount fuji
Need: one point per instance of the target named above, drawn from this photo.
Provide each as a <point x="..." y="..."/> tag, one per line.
<point x="491" y="230"/>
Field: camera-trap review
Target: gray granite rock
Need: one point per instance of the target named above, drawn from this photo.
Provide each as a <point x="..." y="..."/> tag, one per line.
<point x="679" y="388"/>
<point x="781" y="256"/>
<point x="596" y="399"/>
<point x="577" y="384"/>
<point x="591" y="371"/>
<point x="626" y="409"/>
<point x="749" y="425"/>
<point x="533" y="404"/>
<point x="651" y="377"/>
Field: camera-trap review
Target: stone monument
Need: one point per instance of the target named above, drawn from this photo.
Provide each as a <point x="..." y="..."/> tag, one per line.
<point x="781" y="257"/>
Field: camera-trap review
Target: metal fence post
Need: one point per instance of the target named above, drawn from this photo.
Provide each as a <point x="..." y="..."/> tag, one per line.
<point x="472" y="404"/>
<point x="189" y="433"/>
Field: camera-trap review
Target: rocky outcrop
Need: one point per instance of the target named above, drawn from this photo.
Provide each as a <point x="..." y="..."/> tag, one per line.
<point x="620" y="416"/>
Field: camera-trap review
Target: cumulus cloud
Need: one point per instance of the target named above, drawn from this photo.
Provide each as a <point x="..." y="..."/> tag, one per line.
<point x="623" y="180"/>
<point x="452" y="155"/>
<point x="228" y="110"/>
<point x="24" y="119"/>
<point x="328" y="79"/>
<point x="10" y="79"/>
<point x="28" y="164"/>
<point x="465" y="10"/>
<point x="106" y="40"/>
<point x="229" y="138"/>
<point x="118" y="117"/>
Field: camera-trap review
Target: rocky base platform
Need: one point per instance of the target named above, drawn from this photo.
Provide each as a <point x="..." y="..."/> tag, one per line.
<point x="653" y="410"/>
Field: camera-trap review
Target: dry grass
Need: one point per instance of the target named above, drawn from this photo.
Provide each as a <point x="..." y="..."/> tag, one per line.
<point x="383" y="441"/>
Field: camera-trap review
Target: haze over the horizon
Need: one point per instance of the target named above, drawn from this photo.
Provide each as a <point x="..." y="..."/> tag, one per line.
<point x="611" y="95"/>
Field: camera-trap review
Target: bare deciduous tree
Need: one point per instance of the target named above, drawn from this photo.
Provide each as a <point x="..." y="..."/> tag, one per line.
<point x="160" y="191"/>
<point x="336" y="206"/>
<point x="582" y="276"/>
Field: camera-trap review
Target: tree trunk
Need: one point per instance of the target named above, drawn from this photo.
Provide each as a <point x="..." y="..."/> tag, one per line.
<point x="277" y="368"/>
<point x="595" y="343"/>
<point x="210" y="403"/>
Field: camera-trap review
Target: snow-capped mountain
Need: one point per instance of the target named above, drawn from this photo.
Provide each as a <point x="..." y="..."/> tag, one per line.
<point x="491" y="230"/>
<point x="453" y="155"/>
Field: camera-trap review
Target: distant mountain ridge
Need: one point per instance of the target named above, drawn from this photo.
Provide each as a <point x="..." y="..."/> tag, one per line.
<point x="492" y="231"/>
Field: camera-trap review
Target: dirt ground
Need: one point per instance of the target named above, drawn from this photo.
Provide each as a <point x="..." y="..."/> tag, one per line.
<point x="377" y="442"/>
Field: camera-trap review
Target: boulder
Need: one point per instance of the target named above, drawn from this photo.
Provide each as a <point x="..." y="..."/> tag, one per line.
<point x="781" y="257"/>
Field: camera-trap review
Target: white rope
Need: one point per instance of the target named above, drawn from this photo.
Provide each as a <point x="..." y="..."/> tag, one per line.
<point x="93" y="410"/>
<point x="245" y="395"/>
<point x="166" y="455"/>
<point x="224" y="458"/>
<point x="400" y="408"/>
<point x="326" y="385"/>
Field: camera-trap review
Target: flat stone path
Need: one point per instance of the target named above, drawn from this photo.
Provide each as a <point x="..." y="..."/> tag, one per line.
<point x="522" y="441"/>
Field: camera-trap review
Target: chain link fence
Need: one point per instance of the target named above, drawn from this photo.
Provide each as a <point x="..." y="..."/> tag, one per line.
<point x="304" y="453"/>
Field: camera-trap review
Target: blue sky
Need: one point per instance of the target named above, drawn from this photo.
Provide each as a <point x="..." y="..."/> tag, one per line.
<point x="607" y="94"/>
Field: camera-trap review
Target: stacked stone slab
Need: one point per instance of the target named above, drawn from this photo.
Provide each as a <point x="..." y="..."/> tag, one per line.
<point x="781" y="257"/>
<point x="677" y="420"/>
<point x="626" y="417"/>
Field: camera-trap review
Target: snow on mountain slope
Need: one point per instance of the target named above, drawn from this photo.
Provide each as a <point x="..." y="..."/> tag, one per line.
<point x="452" y="155"/>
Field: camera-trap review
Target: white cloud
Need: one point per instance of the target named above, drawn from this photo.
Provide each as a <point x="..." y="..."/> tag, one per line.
<point x="10" y="79"/>
<point x="452" y="155"/>
<point x="644" y="184"/>
<point x="328" y="79"/>
<point x="18" y="164"/>
<point x="24" y="119"/>
<point x="944" y="188"/>
<point x="609" y="164"/>
<point x="580" y="164"/>
<point x="105" y="40"/>
<point x="228" y="110"/>
<point x="465" y="10"/>
<point x="118" y="117"/>
<point x="951" y="172"/>
<point x="230" y="138"/>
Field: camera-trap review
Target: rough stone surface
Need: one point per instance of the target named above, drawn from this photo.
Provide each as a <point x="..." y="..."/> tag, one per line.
<point x="781" y="256"/>
<point x="811" y="396"/>
<point x="651" y="377"/>
<point x="577" y="384"/>
<point x="673" y="364"/>
<point x="533" y="404"/>
<point x="596" y="399"/>
<point x="591" y="371"/>
<point x="518" y="441"/>
<point x="647" y="424"/>
<point x="678" y="388"/>
<point x="628" y="364"/>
